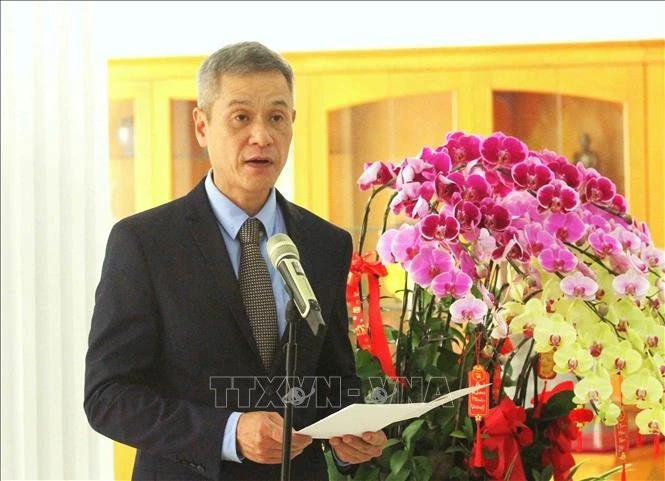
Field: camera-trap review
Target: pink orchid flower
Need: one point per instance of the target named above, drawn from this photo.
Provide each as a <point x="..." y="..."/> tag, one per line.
<point x="578" y="286"/>
<point x="468" y="309"/>
<point x="632" y="283"/>
<point x="405" y="245"/>
<point x="376" y="173"/>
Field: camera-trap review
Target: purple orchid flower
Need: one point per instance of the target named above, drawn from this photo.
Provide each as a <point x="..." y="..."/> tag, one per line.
<point x="375" y="173"/>
<point x="500" y="150"/>
<point x="557" y="197"/>
<point x="531" y="174"/>
<point x="566" y="227"/>
<point x="428" y="264"/>
<point x="537" y="239"/>
<point x="604" y="244"/>
<point x="557" y="259"/>
<point x="439" y="159"/>
<point x="452" y="283"/>
<point x="495" y="217"/>
<point x="439" y="227"/>
<point x="462" y="148"/>
<point x="600" y="190"/>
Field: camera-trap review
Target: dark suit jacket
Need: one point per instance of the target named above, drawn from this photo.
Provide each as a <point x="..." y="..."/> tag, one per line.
<point x="169" y="329"/>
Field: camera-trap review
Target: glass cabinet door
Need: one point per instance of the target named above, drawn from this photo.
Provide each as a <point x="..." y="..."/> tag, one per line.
<point x="382" y="130"/>
<point x="189" y="162"/>
<point x="581" y="129"/>
<point x="121" y="157"/>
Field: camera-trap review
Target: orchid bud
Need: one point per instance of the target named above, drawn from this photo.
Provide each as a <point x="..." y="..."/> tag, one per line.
<point x="602" y="308"/>
<point x="482" y="271"/>
<point x="488" y="350"/>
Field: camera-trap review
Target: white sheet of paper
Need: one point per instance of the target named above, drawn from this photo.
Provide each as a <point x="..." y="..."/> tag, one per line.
<point x="359" y="418"/>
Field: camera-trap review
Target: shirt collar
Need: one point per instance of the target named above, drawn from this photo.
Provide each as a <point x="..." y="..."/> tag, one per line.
<point x="231" y="217"/>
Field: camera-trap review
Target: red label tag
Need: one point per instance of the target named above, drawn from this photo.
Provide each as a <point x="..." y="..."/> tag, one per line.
<point x="621" y="436"/>
<point x="545" y="369"/>
<point x="479" y="400"/>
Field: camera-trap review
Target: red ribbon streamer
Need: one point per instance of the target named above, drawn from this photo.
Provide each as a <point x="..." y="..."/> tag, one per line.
<point x="370" y="336"/>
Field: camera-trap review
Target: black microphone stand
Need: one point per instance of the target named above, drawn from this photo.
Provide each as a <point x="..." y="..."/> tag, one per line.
<point x="292" y="318"/>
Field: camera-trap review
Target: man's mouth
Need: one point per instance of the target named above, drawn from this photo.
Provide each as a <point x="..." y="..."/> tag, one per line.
<point x="258" y="160"/>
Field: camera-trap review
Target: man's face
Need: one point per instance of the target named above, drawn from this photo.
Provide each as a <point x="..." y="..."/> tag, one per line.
<point x="247" y="132"/>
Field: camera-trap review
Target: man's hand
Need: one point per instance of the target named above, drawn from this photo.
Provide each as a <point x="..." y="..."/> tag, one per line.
<point x="259" y="437"/>
<point x="355" y="450"/>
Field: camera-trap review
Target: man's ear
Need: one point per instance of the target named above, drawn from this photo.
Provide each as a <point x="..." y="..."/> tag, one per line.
<point x="293" y="116"/>
<point x="200" y="126"/>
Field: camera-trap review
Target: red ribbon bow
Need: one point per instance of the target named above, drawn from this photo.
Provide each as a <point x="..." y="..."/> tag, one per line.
<point x="370" y="336"/>
<point x="506" y="434"/>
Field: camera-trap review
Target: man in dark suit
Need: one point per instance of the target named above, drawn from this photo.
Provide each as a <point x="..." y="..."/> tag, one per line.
<point x="173" y="365"/>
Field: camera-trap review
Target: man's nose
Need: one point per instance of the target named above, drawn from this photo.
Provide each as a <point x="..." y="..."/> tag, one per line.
<point x="261" y="134"/>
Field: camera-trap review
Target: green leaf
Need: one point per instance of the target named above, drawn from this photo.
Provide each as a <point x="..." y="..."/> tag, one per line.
<point x="606" y="474"/>
<point x="572" y="471"/>
<point x="422" y="468"/>
<point x="367" y="365"/>
<point x="366" y="472"/>
<point x="411" y="430"/>
<point x="457" y="449"/>
<point x="391" y="442"/>
<point x="401" y="476"/>
<point x="398" y="460"/>
<point x="458" y="435"/>
<point x="458" y="473"/>
<point x="547" y="473"/>
<point x="558" y="405"/>
<point x="468" y="428"/>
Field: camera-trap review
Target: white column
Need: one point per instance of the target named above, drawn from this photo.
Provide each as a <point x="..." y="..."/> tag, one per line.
<point x="55" y="218"/>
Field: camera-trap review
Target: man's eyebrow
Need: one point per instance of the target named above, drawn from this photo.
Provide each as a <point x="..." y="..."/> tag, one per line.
<point x="281" y="103"/>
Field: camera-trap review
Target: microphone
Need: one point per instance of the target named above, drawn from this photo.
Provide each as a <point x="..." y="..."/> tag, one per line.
<point x="285" y="258"/>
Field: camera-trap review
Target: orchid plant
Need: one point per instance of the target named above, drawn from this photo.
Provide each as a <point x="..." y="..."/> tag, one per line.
<point x="513" y="254"/>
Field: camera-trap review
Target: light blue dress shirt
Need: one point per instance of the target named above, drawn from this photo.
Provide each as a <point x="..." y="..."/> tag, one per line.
<point x="230" y="218"/>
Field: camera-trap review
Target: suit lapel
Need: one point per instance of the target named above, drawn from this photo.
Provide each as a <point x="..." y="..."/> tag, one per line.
<point x="204" y="228"/>
<point x="298" y="230"/>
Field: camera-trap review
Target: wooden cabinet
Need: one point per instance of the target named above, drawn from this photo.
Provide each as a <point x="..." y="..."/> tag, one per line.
<point x="356" y="107"/>
<point x="361" y="106"/>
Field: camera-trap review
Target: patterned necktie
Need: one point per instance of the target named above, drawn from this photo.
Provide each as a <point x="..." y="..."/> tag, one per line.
<point x="256" y="290"/>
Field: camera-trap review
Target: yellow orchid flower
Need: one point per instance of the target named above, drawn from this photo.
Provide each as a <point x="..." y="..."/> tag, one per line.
<point x="651" y="421"/>
<point x="609" y="413"/>
<point x="552" y="333"/>
<point x="595" y="387"/>
<point x="621" y="358"/>
<point x="651" y="335"/>
<point x="595" y="335"/>
<point x="641" y="389"/>
<point x="574" y="359"/>
<point x="524" y="323"/>
<point x="624" y="313"/>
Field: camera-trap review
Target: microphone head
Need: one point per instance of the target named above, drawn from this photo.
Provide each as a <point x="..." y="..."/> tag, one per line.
<point x="280" y="246"/>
